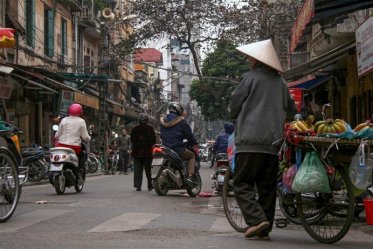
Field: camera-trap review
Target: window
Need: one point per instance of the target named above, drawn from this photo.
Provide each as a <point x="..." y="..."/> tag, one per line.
<point x="49" y="32"/>
<point x="63" y="37"/>
<point x="30" y="22"/>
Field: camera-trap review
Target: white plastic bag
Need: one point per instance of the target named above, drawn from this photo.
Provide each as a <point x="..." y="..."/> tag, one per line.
<point x="361" y="166"/>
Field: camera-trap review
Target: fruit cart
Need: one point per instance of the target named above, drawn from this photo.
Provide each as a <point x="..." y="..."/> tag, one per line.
<point x="327" y="217"/>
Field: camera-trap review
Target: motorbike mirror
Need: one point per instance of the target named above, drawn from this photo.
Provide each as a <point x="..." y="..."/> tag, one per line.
<point x="55" y="127"/>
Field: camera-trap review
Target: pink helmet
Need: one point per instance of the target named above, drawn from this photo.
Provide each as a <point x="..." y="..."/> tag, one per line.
<point x="75" y="110"/>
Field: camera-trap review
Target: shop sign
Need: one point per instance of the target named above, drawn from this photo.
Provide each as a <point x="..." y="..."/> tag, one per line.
<point x="86" y="100"/>
<point x="364" y="47"/>
<point x="6" y="88"/>
<point x="297" y="95"/>
<point x="66" y="99"/>
<point x="304" y="17"/>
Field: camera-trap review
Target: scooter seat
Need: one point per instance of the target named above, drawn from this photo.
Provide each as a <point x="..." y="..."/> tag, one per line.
<point x="62" y="148"/>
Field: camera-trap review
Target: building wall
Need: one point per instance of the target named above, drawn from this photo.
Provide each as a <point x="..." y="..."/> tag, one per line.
<point x="35" y="55"/>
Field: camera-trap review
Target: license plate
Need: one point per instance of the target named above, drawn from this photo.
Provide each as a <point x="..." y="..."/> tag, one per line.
<point x="155" y="170"/>
<point x="56" y="167"/>
<point x="157" y="161"/>
<point x="220" y="178"/>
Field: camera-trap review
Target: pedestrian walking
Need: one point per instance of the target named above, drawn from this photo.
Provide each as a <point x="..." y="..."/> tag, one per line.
<point x="259" y="104"/>
<point x="124" y="147"/>
<point x="142" y="139"/>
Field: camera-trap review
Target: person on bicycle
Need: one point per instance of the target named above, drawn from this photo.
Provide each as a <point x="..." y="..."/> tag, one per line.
<point x="174" y="129"/>
<point x="72" y="131"/>
<point x="221" y="142"/>
<point x="259" y="104"/>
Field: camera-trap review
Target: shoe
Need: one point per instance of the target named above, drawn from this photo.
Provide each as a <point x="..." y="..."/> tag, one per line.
<point x="260" y="237"/>
<point x="255" y="230"/>
<point x="138" y="189"/>
<point x="126" y="173"/>
<point x="150" y="189"/>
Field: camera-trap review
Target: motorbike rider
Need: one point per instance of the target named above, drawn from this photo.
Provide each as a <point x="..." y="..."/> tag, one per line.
<point x="221" y="142"/>
<point x="174" y="129"/>
<point x="71" y="132"/>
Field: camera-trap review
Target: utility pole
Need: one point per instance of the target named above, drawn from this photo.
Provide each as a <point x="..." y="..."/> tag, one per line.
<point x="103" y="89"/>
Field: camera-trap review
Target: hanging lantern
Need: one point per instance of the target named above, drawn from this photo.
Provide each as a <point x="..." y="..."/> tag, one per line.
<point x="7" y="39"/>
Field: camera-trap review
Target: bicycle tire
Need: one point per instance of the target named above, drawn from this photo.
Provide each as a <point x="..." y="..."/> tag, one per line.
<point x="231" y="209"/>
<point x="339" y="210"/>
<point x="9" y="189"/>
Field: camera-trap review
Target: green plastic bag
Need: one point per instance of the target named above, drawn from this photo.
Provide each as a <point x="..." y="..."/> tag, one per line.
<point x="311" y="176"/>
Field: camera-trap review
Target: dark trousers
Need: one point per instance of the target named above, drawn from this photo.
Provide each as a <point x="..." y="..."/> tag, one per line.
<point x="258" y="169"/>
<point x="141" y="163"/>
<point x="124" y="157"/>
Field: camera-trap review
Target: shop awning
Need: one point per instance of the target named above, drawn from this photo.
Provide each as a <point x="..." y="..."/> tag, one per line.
<point x="309" y="84"/>
<point x="319" y="62"/>
<point x="84" y="77"/>
<point x="31" y="84"/>
<point x="323" y="12"/>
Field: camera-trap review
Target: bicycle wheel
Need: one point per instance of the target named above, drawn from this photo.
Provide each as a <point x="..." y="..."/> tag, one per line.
<point x="288" y="206"/>
<point x="231" y="209"/>
<point x="9" y="186"/>
<point x="338" y="208"/>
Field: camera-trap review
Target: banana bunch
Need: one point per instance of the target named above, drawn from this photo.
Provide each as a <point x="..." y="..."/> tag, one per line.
<point x="330" y="126"/>
<point x="300" y="125"/>
<point x="366" y="125"/>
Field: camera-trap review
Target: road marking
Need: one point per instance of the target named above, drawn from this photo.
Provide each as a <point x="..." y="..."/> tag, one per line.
<point x="24" y="220"/>
<point x="125" y="222"/>
<point x="221" y="225"/>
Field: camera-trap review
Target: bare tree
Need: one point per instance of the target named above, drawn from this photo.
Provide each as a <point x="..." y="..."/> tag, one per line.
<point x="193" y="22"/>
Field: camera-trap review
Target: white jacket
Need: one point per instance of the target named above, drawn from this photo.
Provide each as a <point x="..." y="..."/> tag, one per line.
<point x="72" y="130"/>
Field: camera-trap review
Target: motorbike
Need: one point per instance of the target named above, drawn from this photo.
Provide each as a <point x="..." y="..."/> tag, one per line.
<point x="64" y="169"/>
<point x="34" y="160"/>
<point x="169" y="172"/>
<point x="221" y="166"/>
<point x="92" y="163"/>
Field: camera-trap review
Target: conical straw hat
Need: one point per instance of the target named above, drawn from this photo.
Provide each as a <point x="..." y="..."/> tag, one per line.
<point x="264" y="52"/>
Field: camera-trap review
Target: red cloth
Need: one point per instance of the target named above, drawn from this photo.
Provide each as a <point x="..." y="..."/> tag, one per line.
<point x="77" y="149"/>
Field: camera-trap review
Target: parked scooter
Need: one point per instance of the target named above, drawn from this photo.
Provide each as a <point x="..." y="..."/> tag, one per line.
<point x="64" y="169"/>
<point x="221" y="166"/>
<point x="34" y="160"/>
<point x="169" y="172"/>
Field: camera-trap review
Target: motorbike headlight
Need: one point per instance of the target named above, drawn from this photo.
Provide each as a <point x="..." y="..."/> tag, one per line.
<point x="15" y="140"/>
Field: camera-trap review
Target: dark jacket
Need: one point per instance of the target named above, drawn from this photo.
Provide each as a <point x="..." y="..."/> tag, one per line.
<point x="142" y="139"/>
<point x="221" y="142"/>
<point x="174" y="129"/>
<point x="259" y="104"/>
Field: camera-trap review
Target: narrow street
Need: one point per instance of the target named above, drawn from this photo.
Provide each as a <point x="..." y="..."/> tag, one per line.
<point x="109" y="213"/>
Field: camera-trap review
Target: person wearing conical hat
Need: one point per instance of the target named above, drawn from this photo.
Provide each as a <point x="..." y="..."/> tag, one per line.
<point x="259" y="106"/>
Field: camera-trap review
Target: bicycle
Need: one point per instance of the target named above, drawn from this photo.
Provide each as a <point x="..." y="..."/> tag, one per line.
<point x="12" y="174"/>
<point x="113" y="161"/>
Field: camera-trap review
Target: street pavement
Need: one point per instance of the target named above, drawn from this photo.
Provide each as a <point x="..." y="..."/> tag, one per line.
<point x="110" y="213"/>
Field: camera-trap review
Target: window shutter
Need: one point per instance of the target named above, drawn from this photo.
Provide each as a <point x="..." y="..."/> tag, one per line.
<point x="50" y="33"/>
